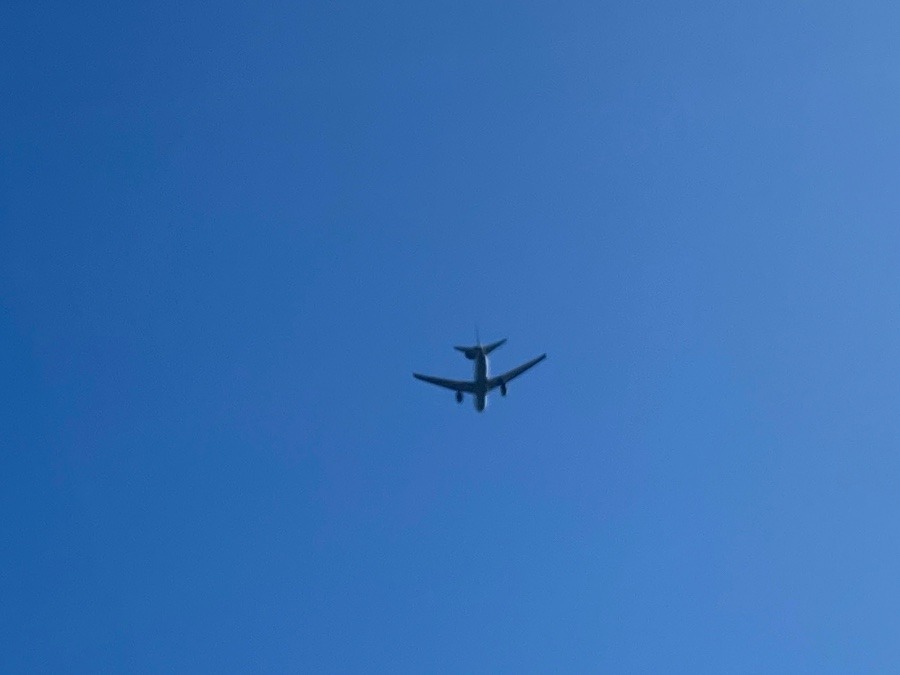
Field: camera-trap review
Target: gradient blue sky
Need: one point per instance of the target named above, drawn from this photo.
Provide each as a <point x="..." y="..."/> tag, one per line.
<point x="230" y="231"/>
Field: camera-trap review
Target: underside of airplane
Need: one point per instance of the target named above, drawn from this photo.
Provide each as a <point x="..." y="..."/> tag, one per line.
<point x="482" y="382"/>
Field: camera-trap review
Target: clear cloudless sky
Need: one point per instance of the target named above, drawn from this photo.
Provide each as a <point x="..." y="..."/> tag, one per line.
<point x="230" y="231"/>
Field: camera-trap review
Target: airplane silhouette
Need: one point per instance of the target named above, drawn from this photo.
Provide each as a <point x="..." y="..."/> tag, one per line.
<point x="483" y="382"/>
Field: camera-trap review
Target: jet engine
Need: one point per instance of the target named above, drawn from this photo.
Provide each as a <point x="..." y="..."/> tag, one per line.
<point x="502" y="388"/>
<point x="459" y="397"/>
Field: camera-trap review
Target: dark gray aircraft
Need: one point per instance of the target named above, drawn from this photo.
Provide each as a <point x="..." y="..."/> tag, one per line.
<point x="483" y="382"/>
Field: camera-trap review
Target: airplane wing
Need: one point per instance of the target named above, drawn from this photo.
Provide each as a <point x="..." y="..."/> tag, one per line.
<point x="455" y="385"/>
<point x="515" y="372"/>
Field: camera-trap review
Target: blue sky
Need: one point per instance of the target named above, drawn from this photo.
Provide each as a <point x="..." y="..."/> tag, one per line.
<point x="230" y="232"/>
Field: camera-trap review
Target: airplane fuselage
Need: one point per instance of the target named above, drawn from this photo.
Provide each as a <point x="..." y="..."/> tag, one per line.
<point x="481" y="381"/>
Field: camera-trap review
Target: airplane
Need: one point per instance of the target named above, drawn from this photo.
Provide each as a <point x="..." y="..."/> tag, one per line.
<point x="482" y="383"/>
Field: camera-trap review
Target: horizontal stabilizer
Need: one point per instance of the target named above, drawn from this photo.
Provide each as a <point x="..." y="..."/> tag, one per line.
<point x="470" y="352"/>
<point x="473" y="352"/>
<point x="491" y="347"/>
